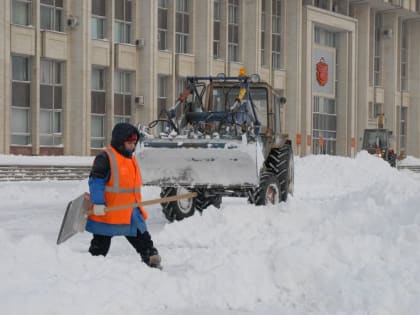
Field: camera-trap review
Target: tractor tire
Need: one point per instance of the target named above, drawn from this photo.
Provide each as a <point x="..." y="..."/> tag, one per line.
<point x="280" y="162"/>
<point x="287" y="177"/>
<point x="179" y="209"/>
<point x="202" y="202"/>
<point x="269" y="190"/>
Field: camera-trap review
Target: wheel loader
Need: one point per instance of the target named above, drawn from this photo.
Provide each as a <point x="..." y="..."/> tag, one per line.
<point x="377" y="141"/>
<point x="223" y="137"/>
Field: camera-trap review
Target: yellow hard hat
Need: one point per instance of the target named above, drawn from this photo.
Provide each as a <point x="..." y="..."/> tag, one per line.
<point x="242" y="72"/>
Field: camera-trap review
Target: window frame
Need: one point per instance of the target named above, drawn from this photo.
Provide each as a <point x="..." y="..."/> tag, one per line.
<point x="217" y="21"/>
<point x="55" y="113"/>
<point x="53" y="10"/>
<point x="124" y="25"/>
<point x="182" y="27"/>
<point x="276" y="37"/>
<point x="122" y="87"/>
<point x="324" y="124"/>
<point x="404" y="62"/>
<point x="28" y="12"/>
<point x="163" y="13"/>
<point x="403" y="127"/>
<point x="377" y="50"/>
<point x="263" y="32"/>
<point x="25" y="134"/>
<point x="96" y="20"/>
<point x="233" y="30"/>
<point x="96" y="90"/>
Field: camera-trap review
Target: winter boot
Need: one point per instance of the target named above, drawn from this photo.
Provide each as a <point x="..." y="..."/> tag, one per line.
<point x="152" y="258"/>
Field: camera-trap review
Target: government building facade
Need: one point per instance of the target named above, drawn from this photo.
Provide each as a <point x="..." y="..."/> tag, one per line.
<point x="70" y="70"/>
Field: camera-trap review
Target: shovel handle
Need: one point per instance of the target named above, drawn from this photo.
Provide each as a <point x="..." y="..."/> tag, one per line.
<point x="149" y="202"/>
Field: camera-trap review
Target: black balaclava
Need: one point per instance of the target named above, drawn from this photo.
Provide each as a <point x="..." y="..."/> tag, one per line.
<point x="122" y="132"/>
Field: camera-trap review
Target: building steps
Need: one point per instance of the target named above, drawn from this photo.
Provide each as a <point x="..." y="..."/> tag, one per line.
<point x="413" y="168"/>
<point x="43" y="172"/>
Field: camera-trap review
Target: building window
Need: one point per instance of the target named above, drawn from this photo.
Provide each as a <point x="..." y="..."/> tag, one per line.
<point x="52" y="15"/>
<point x="217" y="20"/>
<point x="324" y="37"/>
<point x="181" y="84"/>
<point x="324" y="126"/>
<point x="323" y="4"/>
<point x="163" y="24"/>
<point x="182" y="26"/>
<point x="404" y="57"/>
<point x="122" y="96"/>
<point x="98" y="19"/>
<point x="98" y="94"/>
<point x="233" y="30"/>
<point x="123" y="19"/>
<point x="377" y="60"/>
<point x="375" y="110"/>
<point x="21" y="101"/>
<point x="403" y="130"/>
<point x="276" y="33"/>
<point x="22" y="12"/>
<point x="263" y="21"/>
<point x="51" y="103"/>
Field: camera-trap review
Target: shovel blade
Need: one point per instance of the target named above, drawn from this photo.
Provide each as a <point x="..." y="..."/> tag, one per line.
<point x="74" y="220"/>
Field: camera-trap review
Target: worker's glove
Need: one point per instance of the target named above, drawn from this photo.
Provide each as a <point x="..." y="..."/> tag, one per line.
<point x="98" y="209"/>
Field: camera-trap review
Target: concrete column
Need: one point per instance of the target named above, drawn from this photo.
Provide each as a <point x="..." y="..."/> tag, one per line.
<point x="203" y="36"/>
<point x="362" y="13"/>
<point x="352" y="89"/>
<point x="293" y="56"/>
<point x="250" y="41"/>
<point x="79" y="76"/>
<point x="35" y="79"/>
<point x="110" y="73"/>
<point x="413" y="132"/>
<point x="224" y="33"/>
<point x="390" y="70"/>
<point x="306" y="81"/>
<point x="5" y="77"/>
<point x="147" y="61"/>
<point x="342" y="93"/>
<point x="172" y="46"/>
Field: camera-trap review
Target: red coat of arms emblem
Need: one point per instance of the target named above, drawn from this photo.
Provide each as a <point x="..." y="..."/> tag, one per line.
<point x="322" y="72"/>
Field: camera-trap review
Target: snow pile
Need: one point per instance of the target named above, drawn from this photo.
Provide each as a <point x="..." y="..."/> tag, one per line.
<point x="409" y="160"/>
<point x="347" y="242"/>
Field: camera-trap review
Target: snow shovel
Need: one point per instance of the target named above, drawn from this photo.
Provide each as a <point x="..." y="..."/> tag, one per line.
<point x="77" y="211"/>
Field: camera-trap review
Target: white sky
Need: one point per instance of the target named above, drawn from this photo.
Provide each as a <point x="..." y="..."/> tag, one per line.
<point x="347" y="242"/>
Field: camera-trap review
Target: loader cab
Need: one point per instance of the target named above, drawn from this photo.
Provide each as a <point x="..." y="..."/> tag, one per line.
<point x="379" y="142"/>
<point x="223" y="96"/>
<point x="376" y="138"/>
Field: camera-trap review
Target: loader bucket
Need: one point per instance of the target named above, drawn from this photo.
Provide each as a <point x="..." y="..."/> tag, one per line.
<point x="199" y="162"/>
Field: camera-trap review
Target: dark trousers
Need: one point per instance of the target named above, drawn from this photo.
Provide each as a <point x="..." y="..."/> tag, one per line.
<point x="142" y="243"/>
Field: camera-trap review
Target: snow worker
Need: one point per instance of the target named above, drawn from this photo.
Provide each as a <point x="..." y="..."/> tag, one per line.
<point x="115" y="180"/>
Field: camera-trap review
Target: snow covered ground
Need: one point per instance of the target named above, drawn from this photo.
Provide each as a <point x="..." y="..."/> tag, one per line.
<point x="347" y="242"/>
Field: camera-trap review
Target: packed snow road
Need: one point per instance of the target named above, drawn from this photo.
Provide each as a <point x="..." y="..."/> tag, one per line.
<point x="347" y="242"/>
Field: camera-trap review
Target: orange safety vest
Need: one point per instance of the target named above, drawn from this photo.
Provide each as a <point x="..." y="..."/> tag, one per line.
<point x="122" y="188"/>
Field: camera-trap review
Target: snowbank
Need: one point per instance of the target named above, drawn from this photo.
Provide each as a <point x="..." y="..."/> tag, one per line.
<point x="347" y="242"/>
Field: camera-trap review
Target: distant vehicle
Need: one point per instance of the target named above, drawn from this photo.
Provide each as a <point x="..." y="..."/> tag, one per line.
<point x="223" y="137"/>
<point x="378" y="142"/>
